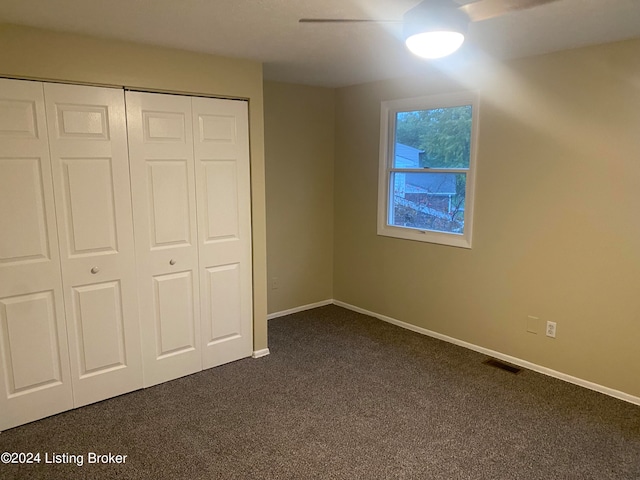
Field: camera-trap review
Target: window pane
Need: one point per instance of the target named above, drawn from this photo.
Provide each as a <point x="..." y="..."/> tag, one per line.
<point x="436" y="138"/>
<point x="428" y="201"/>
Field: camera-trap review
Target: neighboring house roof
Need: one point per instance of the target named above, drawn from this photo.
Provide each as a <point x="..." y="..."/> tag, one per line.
<point x="430" y="183"/>
<point x="407" y="157"/>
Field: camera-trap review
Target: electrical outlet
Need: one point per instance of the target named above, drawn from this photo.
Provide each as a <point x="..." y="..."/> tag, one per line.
<point x="274" y="283"/>
<point x="551" y="329"/>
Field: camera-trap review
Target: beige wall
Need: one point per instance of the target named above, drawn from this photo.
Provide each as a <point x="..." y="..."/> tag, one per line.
<point x="556" y="234"/>
<point x="299" y="150"/>
<point x="45" y="55"/>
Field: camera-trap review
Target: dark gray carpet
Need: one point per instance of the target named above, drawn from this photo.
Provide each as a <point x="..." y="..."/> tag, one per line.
<point x="345" y="396"/>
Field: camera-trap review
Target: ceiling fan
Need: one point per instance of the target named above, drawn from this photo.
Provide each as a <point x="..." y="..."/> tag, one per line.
<point x="436" y="28"/>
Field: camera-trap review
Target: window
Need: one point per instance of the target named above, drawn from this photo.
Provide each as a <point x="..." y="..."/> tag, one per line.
<point x="427" y="168"/>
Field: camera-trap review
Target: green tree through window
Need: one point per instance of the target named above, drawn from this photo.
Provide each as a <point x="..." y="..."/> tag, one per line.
<point x="443" y="134"/>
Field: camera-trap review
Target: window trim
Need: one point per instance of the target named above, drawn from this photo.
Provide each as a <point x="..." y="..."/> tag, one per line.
<point x="388" y="112"/>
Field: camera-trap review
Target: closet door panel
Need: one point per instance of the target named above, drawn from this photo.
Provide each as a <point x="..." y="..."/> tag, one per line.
<point x="22" y="212"/>
<point x="164" y="204"/>
<point x="89" y="192"/>
<point x="98" y="317"/>
<point x="169" y="204"/>
<point x="34" y="372"/>
<point x="221" y="145"/>
<point x="224" y="303"/>
<point x="88" y="139"/>
<point x="175" y="322"/>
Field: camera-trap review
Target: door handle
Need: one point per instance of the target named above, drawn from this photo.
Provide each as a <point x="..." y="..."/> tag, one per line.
<point x="95" y="270"/>
<point x="172" y="262"/>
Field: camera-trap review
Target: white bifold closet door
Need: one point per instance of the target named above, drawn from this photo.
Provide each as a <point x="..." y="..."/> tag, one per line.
<point x="34" y="377"/>
<point x="221" y="147"/>
<point x="91" y="307"/>
<point x="190" y="185"/>
<point x="90" y="163"/>
<point x="164" y="205"/>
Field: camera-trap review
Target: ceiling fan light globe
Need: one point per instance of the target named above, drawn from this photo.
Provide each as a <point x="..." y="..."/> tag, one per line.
<point x="436" y="44"/>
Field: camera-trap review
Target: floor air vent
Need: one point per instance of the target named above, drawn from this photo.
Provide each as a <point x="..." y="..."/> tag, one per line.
<point x="492" y="362"/>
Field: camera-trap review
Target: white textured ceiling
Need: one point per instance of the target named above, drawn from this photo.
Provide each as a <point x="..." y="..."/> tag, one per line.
<point x="327" y="55"/>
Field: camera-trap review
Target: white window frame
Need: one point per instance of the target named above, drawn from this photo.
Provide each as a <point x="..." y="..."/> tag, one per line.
<point x="389" y="109"/>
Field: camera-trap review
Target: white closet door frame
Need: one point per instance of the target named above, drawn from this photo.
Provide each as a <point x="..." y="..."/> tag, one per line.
<point x="221" y="147"/>
<point x="164" y="205"/>
<point x="34" y="362"/>
<point x="90" y="162"/>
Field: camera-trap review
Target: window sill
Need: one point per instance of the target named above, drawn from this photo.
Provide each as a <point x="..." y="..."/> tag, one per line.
<point x="427" y="236"/>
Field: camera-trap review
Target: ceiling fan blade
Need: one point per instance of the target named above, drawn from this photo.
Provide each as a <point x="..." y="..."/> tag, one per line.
<point x="486" y="9"/>
<point x="345" y="20"/>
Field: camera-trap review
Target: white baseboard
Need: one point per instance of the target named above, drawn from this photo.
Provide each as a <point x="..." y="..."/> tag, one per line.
<point x="323" y="303"/>
<point x="492" y="353"/>
<point x="261" y="353"/>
